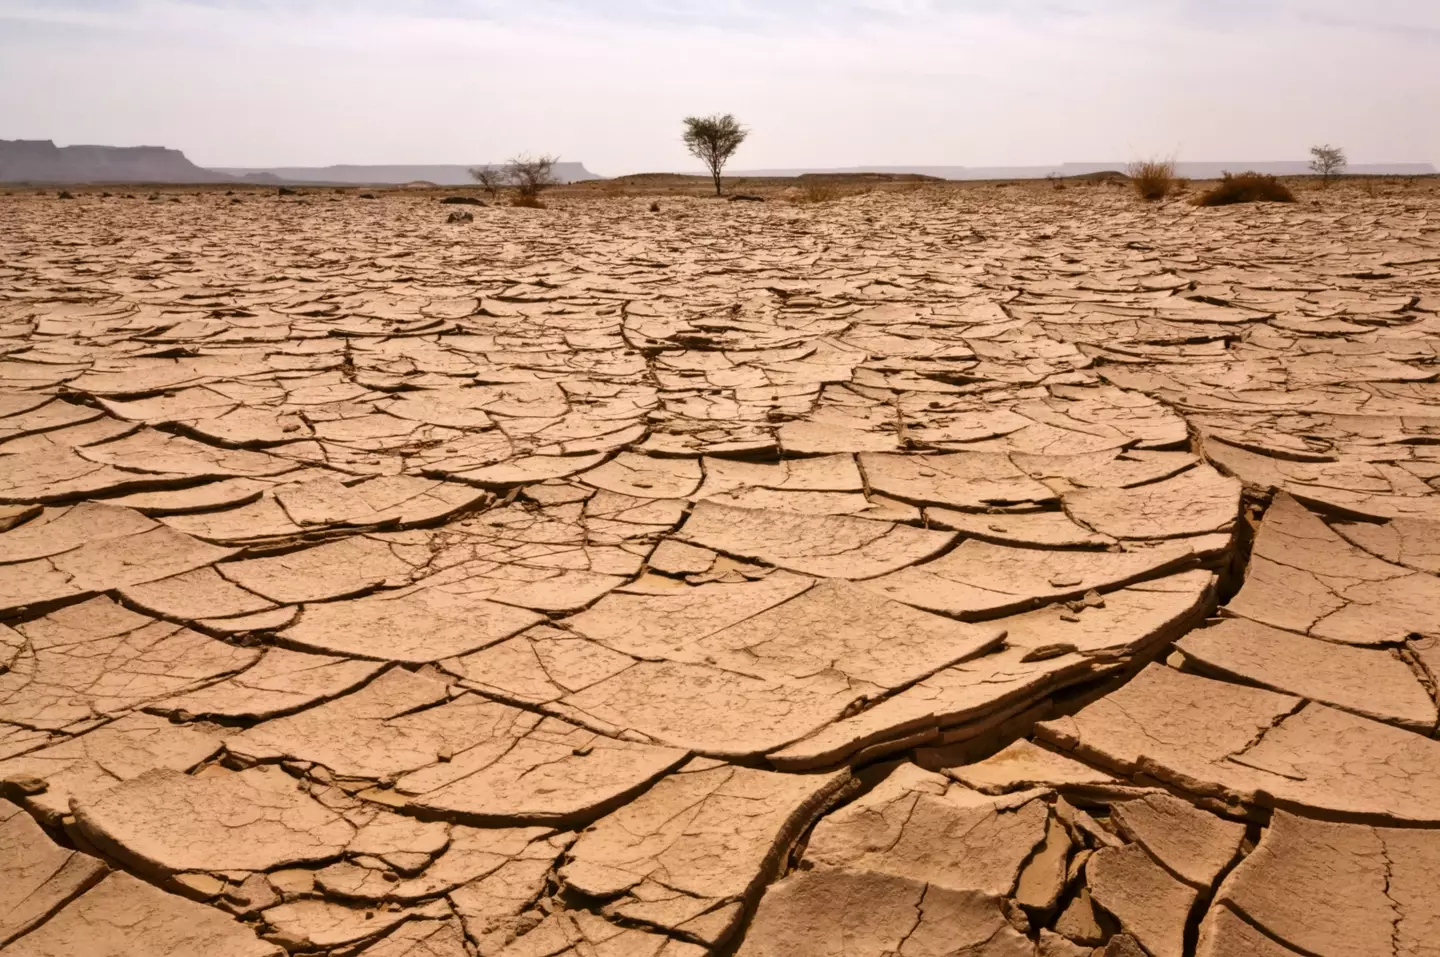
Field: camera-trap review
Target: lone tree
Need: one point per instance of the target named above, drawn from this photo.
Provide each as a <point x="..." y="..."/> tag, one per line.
<point x="1328" y="160"/>
<point x="713" y="140"/>
<point x="489" y="178"/>
<point x="530" y="176"/>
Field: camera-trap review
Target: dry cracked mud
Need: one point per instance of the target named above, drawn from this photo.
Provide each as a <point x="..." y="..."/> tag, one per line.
<point x="1001" y="572"/>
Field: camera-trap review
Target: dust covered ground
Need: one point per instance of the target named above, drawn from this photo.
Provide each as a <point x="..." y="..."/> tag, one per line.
<point x="932" y="570"/>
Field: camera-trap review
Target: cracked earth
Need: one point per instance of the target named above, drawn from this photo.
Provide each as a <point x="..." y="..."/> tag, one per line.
<point x="961" y="571"/>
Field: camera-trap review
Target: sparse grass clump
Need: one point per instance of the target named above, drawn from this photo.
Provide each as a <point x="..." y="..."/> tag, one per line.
<point x="817" y="191"/>
<point x="1153" y="179"/>
<point x="526" y="201"/>
<point x="1246" y="188"/>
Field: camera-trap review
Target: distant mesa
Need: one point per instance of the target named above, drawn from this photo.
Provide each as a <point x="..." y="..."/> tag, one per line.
<point x="41" y="161"/>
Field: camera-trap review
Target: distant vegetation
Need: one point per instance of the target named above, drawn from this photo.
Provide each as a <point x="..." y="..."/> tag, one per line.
<point x="528" y="176"/>
<point x="817" y="190"/>
<point x="713" y="140"/>
<point x="1328" y="160"/>
<point x="1153" y="179"/>
<point x="489" y="178"/>
<point x="1246" y="188"/>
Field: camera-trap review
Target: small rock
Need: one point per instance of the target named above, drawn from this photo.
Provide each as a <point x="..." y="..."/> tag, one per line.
<point x="200" y="886"/>
<point x="1123" y="945"/>
<point x="23" y="785"/>
<point x="1046" y="652"/>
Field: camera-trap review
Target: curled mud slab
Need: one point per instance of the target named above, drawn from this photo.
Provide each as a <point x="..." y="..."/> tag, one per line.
<point x="1013" y="573"/>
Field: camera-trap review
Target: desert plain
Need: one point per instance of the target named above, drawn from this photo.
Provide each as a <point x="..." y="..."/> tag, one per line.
<point x="994" y="570"/>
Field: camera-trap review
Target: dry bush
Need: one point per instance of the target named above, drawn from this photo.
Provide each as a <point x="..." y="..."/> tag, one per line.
<point x="818" y="191"/>
<point x="1246" y="188"/>
<point x="531" y="176"/>
<point x="1153" y="179"/>
<point x="490" y="179"/>
<point x="1328" y="161"/>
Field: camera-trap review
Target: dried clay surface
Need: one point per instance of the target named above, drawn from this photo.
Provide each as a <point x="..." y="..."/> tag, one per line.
<point x="997" y="571"/>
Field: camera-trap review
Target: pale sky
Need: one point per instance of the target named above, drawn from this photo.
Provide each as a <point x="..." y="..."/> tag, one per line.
<point x="820" y="82"/>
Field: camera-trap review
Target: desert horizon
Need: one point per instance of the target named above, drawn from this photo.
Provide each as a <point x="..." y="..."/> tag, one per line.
<point x="41" y="161"/>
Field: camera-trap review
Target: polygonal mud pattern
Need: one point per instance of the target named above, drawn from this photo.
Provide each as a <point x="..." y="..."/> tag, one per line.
<point x="1017" y="573"/>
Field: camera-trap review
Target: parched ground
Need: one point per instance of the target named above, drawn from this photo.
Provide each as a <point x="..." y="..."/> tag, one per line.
<point x="988" y="571"/>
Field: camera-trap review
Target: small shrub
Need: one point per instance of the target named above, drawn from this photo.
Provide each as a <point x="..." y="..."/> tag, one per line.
<point x="531" y="177"/>
<point x="1246" y="188"/>
<point x="490" y="179"/>
<point x="287" y="191"/>
<point x="461" y="201"/>
<point x="64" y="194"/>
<point x="1153" y="179"/>
<point x="816" y="192"/>
<point x="655" y="207"/>
<point x="367" y="195"/>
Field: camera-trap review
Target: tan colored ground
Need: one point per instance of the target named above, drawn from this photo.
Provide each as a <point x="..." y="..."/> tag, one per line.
<point x="944" y="569"/>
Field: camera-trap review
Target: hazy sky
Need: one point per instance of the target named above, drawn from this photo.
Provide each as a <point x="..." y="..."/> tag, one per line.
<point x="821" y="82"/>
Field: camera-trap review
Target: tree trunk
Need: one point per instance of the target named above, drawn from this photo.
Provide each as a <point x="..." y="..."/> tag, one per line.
<point x="716" y="174"/>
